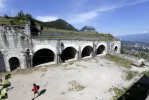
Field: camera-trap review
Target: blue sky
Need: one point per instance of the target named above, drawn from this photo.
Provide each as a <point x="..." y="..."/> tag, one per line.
<point x="118" y="17"/>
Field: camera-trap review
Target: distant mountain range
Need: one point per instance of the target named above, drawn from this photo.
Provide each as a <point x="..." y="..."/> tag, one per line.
<point x="144" y="37"/>
<point x="88" y="29"/>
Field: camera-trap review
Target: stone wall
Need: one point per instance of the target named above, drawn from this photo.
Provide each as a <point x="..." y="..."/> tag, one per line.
<point x="17" y="47"/>
<point x="14" y="42"/>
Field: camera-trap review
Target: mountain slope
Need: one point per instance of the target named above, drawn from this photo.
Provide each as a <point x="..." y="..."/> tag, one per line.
<point x="60" y="24"/>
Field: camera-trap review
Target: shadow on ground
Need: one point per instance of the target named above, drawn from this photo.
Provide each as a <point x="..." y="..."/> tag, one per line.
<point x="41" y="93"/>
<point x="139" y="91"/>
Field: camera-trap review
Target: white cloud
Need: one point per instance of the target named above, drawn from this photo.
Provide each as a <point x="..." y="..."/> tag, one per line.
<point x="2" y="4"/>
<point x="46" y="18"/>
<point x="85" y="17"/>
<point x="138" y="2"/>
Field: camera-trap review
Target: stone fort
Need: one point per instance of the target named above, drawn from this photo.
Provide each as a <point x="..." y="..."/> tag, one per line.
<point x="19" y="49"/>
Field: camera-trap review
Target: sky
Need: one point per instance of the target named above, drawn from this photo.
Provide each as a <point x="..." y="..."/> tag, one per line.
<point x="118" y="17"/>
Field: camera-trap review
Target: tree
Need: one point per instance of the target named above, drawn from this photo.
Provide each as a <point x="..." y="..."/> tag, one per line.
<point x="28" y="16"/>
<point x="6" y="16"/>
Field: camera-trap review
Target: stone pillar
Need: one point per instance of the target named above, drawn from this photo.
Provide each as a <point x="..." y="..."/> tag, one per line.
<point x="57" y="59"/>
<point x="7" y="66"/>
<point x="23" y="62"/>
<point x="2" y="64"/>
<point x="79" y="53"/>
<point x="58" y="52"/>
<point x="94" y="49"/>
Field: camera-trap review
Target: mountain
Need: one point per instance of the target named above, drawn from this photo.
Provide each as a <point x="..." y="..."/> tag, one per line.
<point x="144" y="37"/>
<point x="88" y="28"/>
<point x="60" y="24"/>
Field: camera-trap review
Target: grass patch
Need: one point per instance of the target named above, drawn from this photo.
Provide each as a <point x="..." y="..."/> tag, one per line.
<point x="75" y="86"/>
<point x="120" y="61"/>
<point x="131" y="75"/>
<point x="117" y="91"/>
<point x="146" y="73"/>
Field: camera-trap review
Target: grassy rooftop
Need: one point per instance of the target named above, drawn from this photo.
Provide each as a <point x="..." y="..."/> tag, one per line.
<point x="76" y="35"/>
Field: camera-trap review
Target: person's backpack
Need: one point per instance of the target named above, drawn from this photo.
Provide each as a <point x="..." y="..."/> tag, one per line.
<point x="38" y="87"/>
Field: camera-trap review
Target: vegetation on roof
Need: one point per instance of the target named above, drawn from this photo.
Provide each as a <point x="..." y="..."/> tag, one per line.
<point x="64" y="29"/>
<point x="65" y="34"/>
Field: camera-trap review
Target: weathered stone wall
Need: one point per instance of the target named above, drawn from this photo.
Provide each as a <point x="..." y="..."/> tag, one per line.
<point x="14" y="43"/>
<point x="2" y="64"/>
<point x="17" y="43"/>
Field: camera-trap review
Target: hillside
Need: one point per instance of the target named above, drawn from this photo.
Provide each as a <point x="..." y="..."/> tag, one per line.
<point x="57" y="24"/>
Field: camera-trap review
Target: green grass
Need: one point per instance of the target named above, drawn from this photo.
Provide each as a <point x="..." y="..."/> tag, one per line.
<point x="65" y="34"/>
<point x="146" y="73"/>
<point x="4" y="21"/>
<point x="131" y="75"/>
<point x="120" y="61"/>
<point x="117" y="91"/>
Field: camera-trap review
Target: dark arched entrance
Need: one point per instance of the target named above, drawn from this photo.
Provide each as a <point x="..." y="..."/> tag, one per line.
<point x="100" y="49"/>
<point x="43" y="56"/>
<point x="68" y="53"/>
<point x="87" y="51"/>
<point x="14" y="63"/>
<point x="115" y="49"/>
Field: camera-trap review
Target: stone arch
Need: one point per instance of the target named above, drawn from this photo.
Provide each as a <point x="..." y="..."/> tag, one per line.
<point x="39" y="47"/>
<point x="43" y="56"/>
<point x="14" y="63"/>
<point x="115" y="49"/>
<point x="68" y="53"/>
<point x="87" y="51"/>
<point x="101" y="49"/>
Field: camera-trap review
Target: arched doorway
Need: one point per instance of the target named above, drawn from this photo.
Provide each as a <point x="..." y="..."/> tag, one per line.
<point x="43" y="56"/>
<point x="115" y="49"/>
<point x="68" y="53"/>
<point x="14" y="63"/>
<point x="87" y="51"/>
<point x="100" y="49"/>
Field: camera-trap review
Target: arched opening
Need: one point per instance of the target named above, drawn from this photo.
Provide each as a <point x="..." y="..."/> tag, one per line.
<point x="68" y="53"/>
<point x="14" y="63"/>
<point x="115" y="49"/>
<point x="43" y="56"/>
<point x="34" y="31"/>
<point x="87" y="51"/>
<point x="100" y="49"/>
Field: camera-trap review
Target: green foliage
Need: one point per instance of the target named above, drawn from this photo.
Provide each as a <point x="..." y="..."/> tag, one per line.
<point x="16" y="21"/>
<point x="4" y="84"/>
<point x="142" y="55"/>
<point x="28" y="16"/>
<point x="6" y="16"/>
<point x="120" y="61"/>
<point x="122" y="51"/>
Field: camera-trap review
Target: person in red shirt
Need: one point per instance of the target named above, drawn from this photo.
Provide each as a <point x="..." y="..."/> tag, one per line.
<point x="35" y="89"/>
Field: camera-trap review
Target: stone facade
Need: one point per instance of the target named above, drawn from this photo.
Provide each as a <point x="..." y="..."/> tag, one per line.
<point x="19" y="49"/>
